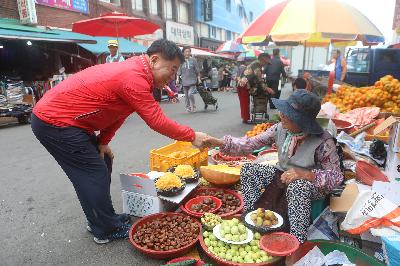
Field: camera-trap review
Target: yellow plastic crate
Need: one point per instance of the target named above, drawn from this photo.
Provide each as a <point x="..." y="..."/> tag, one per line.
<point x="161" y="159"/>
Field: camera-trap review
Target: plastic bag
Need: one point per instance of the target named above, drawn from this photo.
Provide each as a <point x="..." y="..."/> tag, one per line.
<point x="371" y="210"/>
<point x="324" y="227"/>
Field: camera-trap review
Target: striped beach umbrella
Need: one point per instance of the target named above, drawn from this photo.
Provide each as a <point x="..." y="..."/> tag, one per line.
<point x="312" y="21"/>
<point x="230" y="47"/>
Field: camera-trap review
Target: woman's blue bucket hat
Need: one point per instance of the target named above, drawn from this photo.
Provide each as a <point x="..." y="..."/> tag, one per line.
<point x="302" y="108"/>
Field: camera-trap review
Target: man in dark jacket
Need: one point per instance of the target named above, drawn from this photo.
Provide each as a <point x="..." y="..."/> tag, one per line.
<point x="273" y="71"/>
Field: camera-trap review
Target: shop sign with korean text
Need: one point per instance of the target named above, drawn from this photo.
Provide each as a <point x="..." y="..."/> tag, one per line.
<point x="81" y="6"/>
<point x="179" y="33"/>
<point x="208" y="10"/>
<point x="27" y="11"/>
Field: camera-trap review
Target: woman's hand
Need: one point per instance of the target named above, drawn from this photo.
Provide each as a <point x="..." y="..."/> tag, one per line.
<point x="105" y="149"/>
<point x="296" y="173"/>
<point x="212" y="142"/>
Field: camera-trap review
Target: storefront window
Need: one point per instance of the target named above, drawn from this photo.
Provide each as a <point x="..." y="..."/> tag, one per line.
<point x="240" y="11"/>
<point x="212" y="31"/>
<point x="168" y="9"/>
<point x="153" y="6"/>
<point x="228" y="5"/>
<point x="251" y="16"/>
<point x="228" y="35"/>
<point x="183" y="13"/>
<point x="137" y="5"/>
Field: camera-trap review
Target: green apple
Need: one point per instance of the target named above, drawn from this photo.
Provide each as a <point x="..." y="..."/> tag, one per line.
<point x="228" y="257"/>
<point x="222" y="249"/>
<point x="207" y="242"/>
<point x="247" y="257"/>
<point x="228" y="237"/>
<point x="235" y="259"/>
<point x="216" y="250"/>
<point x="221" y="244"/>
<point x="221" y="255"/>
<point x="258" y="261"/>
<point x="257" y="235"/>
<point x="243" y="253"/>
<point x="255" y="256"/>
<point x="235" y="247"/>
<point x="235" y="221"/>
<point x="242" y="228"/>
<point x="264" y="258"/>
<point x="241" y="249"/>
<point x="254" y="243"/>
<point x="206" y="234"/>
<point x="240" y="260"/>
<point x="221" y="232"/>
<point x="243" y="237"/>
<point x="236" y="238"/>
<point x="234" y="230"/>
<point x="212" y="237"/>
<point x="248" y="248"/>
<point x="211" y="249"/>
<point x="254" y="248"/>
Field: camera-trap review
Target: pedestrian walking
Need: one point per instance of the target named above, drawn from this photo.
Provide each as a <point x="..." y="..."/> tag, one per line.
<point x="100" y="98"/>
<point x="273" y="71"/>
<point x="189" y="73"/>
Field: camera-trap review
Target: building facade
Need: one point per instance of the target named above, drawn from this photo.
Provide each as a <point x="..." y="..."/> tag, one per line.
<point x="175" y="17"/>
<point x="217" y="21"/>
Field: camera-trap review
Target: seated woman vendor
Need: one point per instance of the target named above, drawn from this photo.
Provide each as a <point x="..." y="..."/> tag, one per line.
<point x="308" y="161"/>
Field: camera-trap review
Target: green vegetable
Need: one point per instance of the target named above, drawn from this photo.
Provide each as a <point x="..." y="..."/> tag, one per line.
<point x="183" y="263"/>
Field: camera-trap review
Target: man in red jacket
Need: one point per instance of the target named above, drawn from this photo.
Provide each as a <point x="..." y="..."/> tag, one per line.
<point x="100" y="98"/>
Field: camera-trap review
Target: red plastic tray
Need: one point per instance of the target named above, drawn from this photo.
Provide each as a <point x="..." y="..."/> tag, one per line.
<point x="275" y="243"/>
<point x="198" y="199"/>
<point x="161" y="254"/>
<point x="228" y="191"/>
<point x="198" y="262"/>
<point x="368" y="173"/>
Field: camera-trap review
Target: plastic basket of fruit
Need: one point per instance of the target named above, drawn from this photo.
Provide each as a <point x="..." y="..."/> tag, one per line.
<point x="232" y="202"/>
<point x="186" y="172"/>
<point x="201" y="204"/>
<point x="165" y="235"/>
<point x="249" y="254"/>
<point x="220" y="175"/>
<point x="279" y="244"/>
<point x="176" y="153"/>
<point x="169" y="185"/>
<point x="263" y="221"/>
<point x="368" y="173"/>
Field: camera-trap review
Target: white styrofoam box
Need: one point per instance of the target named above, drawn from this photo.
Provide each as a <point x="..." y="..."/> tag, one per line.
<point x="392" y="168"/>
<point x="139" y="195"/>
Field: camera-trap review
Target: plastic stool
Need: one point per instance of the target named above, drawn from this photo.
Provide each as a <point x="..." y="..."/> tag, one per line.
<point x="317" y="206"/>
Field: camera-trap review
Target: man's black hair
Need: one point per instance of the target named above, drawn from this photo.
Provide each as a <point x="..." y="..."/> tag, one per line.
<point x="275" y="51"/>
<point x="337" y="52"/>
<point x="263" y="55"/>
<point x="300" y="83"/>
<point x="167" y="49"/>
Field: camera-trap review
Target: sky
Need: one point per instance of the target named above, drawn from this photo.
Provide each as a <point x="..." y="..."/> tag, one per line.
<point x="379" y="12"/>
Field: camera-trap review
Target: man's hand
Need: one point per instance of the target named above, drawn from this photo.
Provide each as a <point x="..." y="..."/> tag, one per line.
<point x="296" y="173"/>
<point x="212" y="142"/>
<point x="199" y="139"/>
<point x="105" y="149"/>
<point x="198" y="80"/>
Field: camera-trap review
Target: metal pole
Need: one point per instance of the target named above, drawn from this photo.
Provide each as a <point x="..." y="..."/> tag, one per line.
<point x="304" y="54"/>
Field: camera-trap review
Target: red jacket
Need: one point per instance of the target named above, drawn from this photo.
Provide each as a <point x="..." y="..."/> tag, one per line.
<point x="101" y="97"/>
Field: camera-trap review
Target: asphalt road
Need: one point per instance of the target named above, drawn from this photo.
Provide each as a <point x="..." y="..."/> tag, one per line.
<point x="41" y="221"/>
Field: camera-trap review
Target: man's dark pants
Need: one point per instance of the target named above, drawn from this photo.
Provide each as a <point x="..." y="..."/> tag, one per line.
<point x="273" y="84"/>
<point x="77" y="154"/>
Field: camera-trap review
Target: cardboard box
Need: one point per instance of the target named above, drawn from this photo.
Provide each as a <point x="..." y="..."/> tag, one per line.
<point x="392" y="168"/>
<point x="139" y="195"/>
<point x="346" y="199"/>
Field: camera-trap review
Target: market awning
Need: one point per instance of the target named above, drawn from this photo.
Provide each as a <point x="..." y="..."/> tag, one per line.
<point x="125" y="46"/>
<point x="11" y="29"/>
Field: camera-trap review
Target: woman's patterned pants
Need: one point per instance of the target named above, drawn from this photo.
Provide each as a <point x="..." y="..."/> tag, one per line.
<point x="299" y="194"/>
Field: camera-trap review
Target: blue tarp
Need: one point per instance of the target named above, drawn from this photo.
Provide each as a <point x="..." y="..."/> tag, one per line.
<point x="12" y="29"/>
<point x="125" y="46"/>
